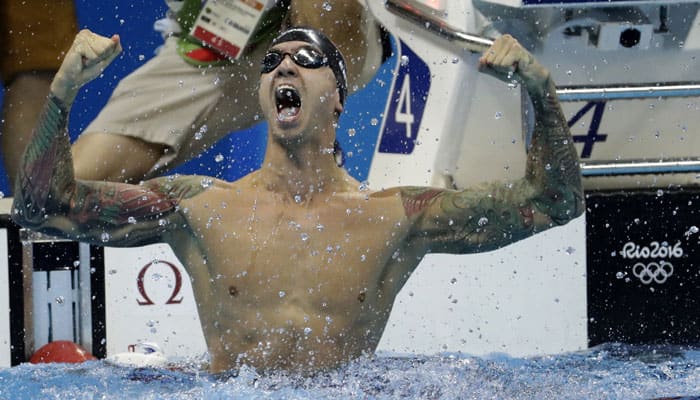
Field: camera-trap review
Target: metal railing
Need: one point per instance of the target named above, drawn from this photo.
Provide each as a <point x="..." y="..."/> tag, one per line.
<point x="639" y="167"/>
<point x="416" y="12"/>
<point x="428" y="19"/>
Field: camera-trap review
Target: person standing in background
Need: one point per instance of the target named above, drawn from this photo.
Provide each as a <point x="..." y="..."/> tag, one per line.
<point x="189" y="96"/>
<point x="35" y="35"/>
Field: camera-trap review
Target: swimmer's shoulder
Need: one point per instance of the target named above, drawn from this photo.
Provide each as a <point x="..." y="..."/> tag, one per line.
<point x="186" y="186"/>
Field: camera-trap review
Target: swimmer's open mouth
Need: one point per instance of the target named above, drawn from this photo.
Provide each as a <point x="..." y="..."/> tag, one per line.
<point x="288" y="103"/>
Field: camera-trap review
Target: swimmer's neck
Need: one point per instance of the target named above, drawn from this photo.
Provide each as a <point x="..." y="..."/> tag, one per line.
<point x="301" y="176"/>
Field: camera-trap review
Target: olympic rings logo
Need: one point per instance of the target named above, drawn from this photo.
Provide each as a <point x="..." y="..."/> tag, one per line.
<point x="653" y="272"/>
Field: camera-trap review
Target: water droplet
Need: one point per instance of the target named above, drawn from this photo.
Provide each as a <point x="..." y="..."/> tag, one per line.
<point x="453" y="281"/>
<point x="200" y="133"/>
<point x="141" y="57"/>
<point x="374" y="122"/>
<point x="104" y="237"/>
<point x="131" y="220"/>
<point x="327" y="6"/>
<point x="620" y="275"/>
<point x="307" y="331"/>
<point x="693" y="230"/>
<point x="483" y="221"/>
<point x="364" y="186"/>
<point x="404" y="60"/>
<point x="570" y="250"/>
<point x="206" y="182"/>
<point x="304" y="237"/>
<point x="76" y="264"/>
<point x="60" y="299"/>
<point x="282" y="293"/>
<point x="659" y="193"/>
<point x="351" y="132"/>
<point x="498" y="115"/>
<point x="363" y="257"/>
<point x="219" y="158"/>
<point x="297" y="198"/>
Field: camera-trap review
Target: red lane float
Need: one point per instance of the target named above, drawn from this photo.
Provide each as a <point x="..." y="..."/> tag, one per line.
<point x="61" y="351"/>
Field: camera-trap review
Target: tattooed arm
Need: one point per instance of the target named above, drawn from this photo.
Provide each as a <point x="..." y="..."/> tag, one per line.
<point x="495" y="215"/>
<point x="48" y="198"/>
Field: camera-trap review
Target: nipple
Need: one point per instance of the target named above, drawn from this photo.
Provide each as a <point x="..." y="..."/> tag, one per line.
<point x="361" y="297"/>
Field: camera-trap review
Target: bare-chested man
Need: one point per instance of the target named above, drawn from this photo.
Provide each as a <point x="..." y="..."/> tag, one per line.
<point x="296" y="266"/>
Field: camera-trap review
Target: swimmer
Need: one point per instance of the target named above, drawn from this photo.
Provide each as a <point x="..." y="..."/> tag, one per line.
<point x="155" y="118"/>
<point x="296" y="266"/>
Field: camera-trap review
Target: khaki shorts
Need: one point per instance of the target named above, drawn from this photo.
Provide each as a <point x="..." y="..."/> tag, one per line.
<point x="34" y="35"/>
<point x="186" y="108"/>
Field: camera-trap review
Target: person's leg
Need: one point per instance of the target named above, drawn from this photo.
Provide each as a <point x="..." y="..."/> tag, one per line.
<point x="352" y="27"/>
<point x="163" y="114"/>
<point x="24" y="99"/>
<point x="104" y="156"/>
<point x="34" y="35"/>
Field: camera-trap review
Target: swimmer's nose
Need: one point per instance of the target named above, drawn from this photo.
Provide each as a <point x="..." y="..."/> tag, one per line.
<point x="287" y="67"/>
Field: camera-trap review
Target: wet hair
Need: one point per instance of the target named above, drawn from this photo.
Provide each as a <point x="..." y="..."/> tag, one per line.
<point x="335" y="58"/>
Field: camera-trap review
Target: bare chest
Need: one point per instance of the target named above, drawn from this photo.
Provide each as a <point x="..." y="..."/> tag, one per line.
<point x="272" y="252"/>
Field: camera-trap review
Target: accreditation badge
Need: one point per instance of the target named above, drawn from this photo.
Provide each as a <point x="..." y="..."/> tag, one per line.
<point x="228" y="25"/>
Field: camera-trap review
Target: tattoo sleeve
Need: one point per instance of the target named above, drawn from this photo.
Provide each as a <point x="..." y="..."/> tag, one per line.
<point x="552" y="162"/>
<point x="494" y="215"/>
<point x="48" y="198"/>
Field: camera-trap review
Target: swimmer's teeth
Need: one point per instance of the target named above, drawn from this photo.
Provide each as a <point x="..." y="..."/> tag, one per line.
<point x="287" y="113"/>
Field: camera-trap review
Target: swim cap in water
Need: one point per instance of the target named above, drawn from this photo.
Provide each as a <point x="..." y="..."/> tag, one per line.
<point x="335" y="59"/>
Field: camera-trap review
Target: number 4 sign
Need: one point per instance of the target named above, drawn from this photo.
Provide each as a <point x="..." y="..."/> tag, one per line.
<point x="406" y="103"/>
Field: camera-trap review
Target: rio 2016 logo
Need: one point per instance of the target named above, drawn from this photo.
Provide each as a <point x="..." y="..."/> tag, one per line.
<point x="652" y="271"/>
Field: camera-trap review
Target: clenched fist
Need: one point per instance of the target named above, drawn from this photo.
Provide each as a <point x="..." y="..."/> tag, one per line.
<point x="85" y="60"/>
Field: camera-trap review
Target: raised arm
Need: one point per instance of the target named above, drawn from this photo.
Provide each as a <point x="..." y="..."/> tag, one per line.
<point x="48" y="198"/>
<point x="494" y="215"/>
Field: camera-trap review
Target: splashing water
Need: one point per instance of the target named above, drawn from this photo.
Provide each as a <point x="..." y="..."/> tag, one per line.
<point x="608" y="372"/>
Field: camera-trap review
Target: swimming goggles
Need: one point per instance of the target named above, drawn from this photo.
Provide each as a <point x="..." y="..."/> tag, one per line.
<point x="305" y="56"/>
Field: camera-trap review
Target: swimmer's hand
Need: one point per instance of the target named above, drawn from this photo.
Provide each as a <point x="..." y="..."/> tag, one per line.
<point x="85" y="60"/>
<point x="508" y="61"/>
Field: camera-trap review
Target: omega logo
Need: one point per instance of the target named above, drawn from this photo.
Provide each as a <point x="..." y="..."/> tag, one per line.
<point x="145" y="300"/>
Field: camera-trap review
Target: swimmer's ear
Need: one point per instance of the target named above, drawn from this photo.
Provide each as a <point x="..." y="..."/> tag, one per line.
<point x="338" y="105"/>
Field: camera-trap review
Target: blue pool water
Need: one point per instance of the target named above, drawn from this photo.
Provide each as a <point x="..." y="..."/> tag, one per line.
<point x="605" y="372"/>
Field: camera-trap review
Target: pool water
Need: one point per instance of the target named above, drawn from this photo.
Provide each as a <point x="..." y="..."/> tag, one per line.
<point x="611" y="371"/>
